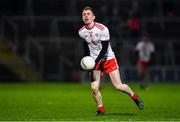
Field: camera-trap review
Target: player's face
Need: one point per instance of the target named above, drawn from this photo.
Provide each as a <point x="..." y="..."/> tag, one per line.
<point x="88" y="17"/>
<point x="146" y="39"/>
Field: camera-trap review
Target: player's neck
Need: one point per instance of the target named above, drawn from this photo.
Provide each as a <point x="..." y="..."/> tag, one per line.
<point x="90" y="26"/>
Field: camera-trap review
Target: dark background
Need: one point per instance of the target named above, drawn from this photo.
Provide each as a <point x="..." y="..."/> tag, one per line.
<point x="39" y="38"/>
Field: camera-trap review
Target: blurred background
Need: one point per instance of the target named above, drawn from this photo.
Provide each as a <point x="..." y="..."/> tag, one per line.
<point x="39" y="38"/>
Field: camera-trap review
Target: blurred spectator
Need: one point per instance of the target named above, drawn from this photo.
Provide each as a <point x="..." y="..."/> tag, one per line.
<point x="115" y="11"/>
<point x="134" y="27"/>
<point x="122" y="27"/>
<point x="104" y="15"/>
<point x="168" y="8"/>
<point x="145" y="49"/>
<point x="135" y="9"/>
<point x="115" y="14"/>
<point x="134" y="20"/>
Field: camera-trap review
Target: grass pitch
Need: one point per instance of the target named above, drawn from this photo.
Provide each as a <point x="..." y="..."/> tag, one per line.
<point x="73" y="102"/>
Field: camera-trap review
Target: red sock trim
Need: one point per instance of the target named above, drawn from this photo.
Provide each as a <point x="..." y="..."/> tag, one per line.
<point x="134" y="96"/>
<point x="101" y="109"/>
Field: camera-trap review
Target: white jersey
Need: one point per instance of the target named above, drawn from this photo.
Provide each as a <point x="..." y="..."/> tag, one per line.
<point x="93" y="37"/>
<point x="145" y="49"/>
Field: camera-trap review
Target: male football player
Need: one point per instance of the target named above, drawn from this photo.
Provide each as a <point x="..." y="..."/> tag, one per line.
<point x="97" y="45"/>
<point x="145" y="48"/>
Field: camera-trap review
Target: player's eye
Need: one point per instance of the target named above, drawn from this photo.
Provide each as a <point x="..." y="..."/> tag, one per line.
<point x="84" y="14"/>
<point x="88" y="13"/>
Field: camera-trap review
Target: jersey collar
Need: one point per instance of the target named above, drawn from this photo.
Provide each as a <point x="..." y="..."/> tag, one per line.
<point x="91" y="27"/>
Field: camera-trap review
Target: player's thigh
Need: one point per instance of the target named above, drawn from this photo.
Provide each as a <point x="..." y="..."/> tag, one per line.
<point x="140" y="67"/>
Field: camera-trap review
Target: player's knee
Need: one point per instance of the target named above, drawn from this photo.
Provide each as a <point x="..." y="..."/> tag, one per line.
<point x="121" y="87"/>
<point x="94" y="89"/>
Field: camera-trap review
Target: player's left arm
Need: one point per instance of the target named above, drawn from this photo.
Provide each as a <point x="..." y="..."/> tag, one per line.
<point x="103" y="50"/>
<point x="136" y="52"/>
<point x="153" y="56"/>
<point x="152" y="61"/>
<point x="105" y="37"/>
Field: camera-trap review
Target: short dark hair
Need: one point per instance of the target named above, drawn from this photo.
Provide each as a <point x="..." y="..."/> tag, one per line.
<point x="89" y="8"/>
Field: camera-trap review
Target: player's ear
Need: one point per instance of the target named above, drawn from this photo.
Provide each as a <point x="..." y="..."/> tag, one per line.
<point x="94" y="17"/>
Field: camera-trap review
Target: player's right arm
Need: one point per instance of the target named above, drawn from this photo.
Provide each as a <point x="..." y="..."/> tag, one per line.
<point x="138" y="46"/>
<point x="137" y="50"/>
<point x="86" y="49"/>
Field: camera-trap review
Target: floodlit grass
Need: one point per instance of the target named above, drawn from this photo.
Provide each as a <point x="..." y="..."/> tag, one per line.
<point x="73" y="102"/>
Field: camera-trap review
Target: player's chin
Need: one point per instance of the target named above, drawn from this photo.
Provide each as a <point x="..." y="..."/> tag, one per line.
<point x="86" y="22"/>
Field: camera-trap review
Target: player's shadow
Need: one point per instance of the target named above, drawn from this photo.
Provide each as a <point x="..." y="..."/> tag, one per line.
<point x="123" y="114"/>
